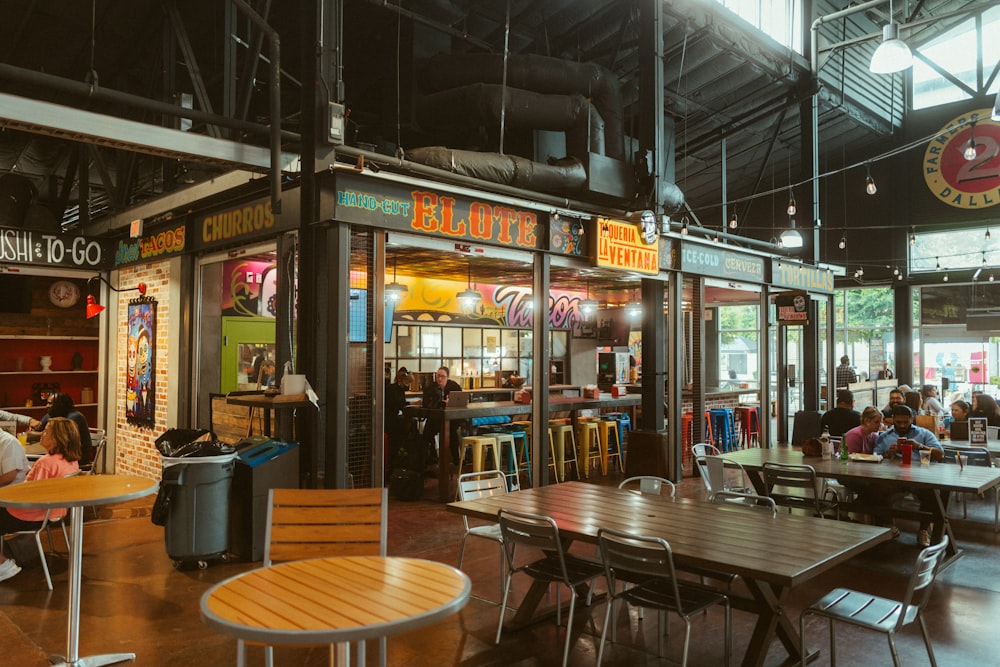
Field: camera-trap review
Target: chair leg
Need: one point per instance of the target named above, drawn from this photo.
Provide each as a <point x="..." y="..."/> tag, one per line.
<point x="833" y="644"/>
<point x="608" y="613"/>
<point x="461" y="551"/>
<point x="268" y="656"/>
<point x="892" y="649"/>
<point x="927" y="639"/>
<point x="45" y="564"/>
<point x="503" y="606"/>
<point x="687" y="640"/>
<point x="241" y="653"/>
<point x="569" y="629"/>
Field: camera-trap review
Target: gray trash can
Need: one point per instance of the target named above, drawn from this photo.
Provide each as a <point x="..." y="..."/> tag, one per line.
<point x="196" y="527"/>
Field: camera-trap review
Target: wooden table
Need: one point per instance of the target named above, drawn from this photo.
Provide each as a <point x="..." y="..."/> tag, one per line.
<point x="76" y="493"/>
<point x="771" y="554"/>
<point x="335" y="600"/>
<point x="571" y="404"/>
<point x="942" y="478"/>
<point x="282" y="404"/>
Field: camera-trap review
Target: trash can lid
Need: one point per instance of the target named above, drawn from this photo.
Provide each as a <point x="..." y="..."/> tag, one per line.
<point x="265" y="451"/>
<point x="168" y="461"/>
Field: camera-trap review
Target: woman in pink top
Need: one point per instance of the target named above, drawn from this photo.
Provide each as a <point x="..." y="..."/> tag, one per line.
<point x="61" y="440"/>
<point x="861" y="439"/>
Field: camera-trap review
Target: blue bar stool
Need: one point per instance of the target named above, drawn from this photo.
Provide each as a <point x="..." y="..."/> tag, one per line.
<point x="724" y="429"/>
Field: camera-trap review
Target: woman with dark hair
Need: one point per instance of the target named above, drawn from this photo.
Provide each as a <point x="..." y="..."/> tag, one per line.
<point x="914" y="401"/>
<point x="932" y="406"/>
<point x="61" y="405"/>
<point x="986" y="406"/>
<point x="61" y="441"/>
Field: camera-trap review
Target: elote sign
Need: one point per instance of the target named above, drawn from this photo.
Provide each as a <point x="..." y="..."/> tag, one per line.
<point x="624" y="245"/>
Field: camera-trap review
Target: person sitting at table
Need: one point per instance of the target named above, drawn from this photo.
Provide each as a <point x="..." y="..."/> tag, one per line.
<point x="932" y="406"/>
<point x="61" y="405"/>
<point x="13" y="462"/>
<point x="887" y="444"/>
<point x="914" y="401"/>
<point x="21" y="420"/>
<point x="960" y="411"/>
<point x="861" y="438"/>
<point x="895" y="398"/>
<point x="436" y="396"/>
<point x="986" y="406"/>
<point x="842" y="418"/>
<point x="61" y="441"/>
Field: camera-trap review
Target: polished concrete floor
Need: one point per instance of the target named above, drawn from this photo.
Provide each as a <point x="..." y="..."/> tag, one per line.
<point x="135" y="601"/>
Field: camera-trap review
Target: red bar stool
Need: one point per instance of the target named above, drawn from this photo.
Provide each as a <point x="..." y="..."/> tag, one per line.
<point x="748" y="419"/>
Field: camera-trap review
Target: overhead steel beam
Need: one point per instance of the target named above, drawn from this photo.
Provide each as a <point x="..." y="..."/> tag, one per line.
<point x="54" y="120"/>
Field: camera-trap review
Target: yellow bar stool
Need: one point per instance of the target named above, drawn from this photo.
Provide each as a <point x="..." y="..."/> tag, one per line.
<point x="561" y="453"/>
<point x="608" y="430"/>
<point x="478" y="444"/>
<point x="589" y="441"/>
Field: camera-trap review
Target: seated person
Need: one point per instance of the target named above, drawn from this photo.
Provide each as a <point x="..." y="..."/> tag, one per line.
<point x="436" y="396"/>
<point x="13" y="462"/>
<point x="986" y="406"/>
<point x="61" y="405"/>
<point x="960" y="411"/>
<point x="895" y="398"/>
<point x="861" y="438"/>
<point x="914" y="401"/>
<point x="61" y="440"/>
<point x="266" y="374"/>
<point x="842" y="418"/>
<point x="932" y="406"/>
<point x="887" y="445"/>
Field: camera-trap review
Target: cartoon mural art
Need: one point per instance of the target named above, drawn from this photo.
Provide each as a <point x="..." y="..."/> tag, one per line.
<point x="250" y="289"/>
<point x="140" y="389"/>
<point x="434" y="301"/>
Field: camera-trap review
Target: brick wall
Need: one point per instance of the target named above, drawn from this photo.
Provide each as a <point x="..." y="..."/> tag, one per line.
<point x="135" y="451"/>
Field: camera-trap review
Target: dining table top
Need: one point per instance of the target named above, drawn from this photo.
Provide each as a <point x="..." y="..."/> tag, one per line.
<point x="939" y="475"/>
<point x="784" y="550"/>
<point x="78" y="490"/>
<point x="334" y="600"/>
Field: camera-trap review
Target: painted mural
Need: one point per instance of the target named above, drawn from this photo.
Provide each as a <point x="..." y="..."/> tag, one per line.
<point x="140" y="383"/>
<point x="249" y="288"/>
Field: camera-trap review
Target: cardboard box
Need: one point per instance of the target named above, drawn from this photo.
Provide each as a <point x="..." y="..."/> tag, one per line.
<point x="522" y="396"/>
<point x="618" y="391"/>
<point x="591" y="392"/>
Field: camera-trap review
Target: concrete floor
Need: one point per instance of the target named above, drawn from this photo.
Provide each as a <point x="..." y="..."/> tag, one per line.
<point x="134" y="600"/>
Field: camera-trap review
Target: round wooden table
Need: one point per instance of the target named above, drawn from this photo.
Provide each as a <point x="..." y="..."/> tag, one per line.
<point x="76" y="493"/>
<point x="335" y="600"/>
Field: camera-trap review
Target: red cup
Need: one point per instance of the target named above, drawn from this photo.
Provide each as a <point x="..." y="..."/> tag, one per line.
<point x="907" y="450"/>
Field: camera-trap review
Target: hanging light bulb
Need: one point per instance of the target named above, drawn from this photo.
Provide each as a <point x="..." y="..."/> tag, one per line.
<point x="984" y="258"/>
<point x="843" y="242"/>
<point x="945" y="279"/>
<point x="869" y="181"/>
<point x="899" y="277"/>
<point x="991" y="277"/>
<point x="684" y="226"/>
<point x="895" y="271"/>
<point x="395" y="291"/>
<point x="791" y="202"/>
<point x="861" y="271"/>
<point x="588" y="306"/>
<point x="987" y="232"/>
<point x="733" y="222"/>
<point x="938" y="267"/>
<point x="970" y="148"/>
<point x="913" y="236"/>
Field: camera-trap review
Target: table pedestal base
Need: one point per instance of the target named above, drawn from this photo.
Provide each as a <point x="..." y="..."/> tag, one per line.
<point x="92" y="660"/>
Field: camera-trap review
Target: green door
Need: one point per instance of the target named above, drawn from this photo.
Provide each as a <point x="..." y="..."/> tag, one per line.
<point x="244" y="341"/>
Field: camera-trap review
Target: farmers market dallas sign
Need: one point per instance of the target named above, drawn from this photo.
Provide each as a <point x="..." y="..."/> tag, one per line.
<point x="968" y="184"/>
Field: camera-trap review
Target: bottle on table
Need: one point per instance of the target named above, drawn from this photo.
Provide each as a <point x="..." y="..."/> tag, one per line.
<point x="826" y="445"/>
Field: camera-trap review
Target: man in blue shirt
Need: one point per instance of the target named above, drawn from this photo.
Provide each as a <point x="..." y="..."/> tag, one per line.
<point x="887" y="445"/>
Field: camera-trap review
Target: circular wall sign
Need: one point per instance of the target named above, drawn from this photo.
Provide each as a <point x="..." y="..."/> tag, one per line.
<point x="64" y="293"/>
<point x="968" y="184"/>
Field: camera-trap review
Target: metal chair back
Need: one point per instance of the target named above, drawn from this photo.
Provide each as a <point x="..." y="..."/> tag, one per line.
<point x="651" y="484"/>
<point x="751" y="500"/>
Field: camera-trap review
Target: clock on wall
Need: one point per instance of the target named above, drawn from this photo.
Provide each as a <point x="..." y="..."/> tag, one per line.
<point x="64" y="293"/>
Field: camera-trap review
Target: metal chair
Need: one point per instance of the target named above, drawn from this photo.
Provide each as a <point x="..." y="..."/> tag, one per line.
<point x="647" y="562"/>
<point x="475" y="485"/>
<point x="651" y="484"/>
<point x="796" y="487"/>
<point x="535" y="531"/>
<point x="45" y="526"/>
<point x="881" y="614"/>
<point x="977" y="457"/>
<point x="699" y="452"/>
<point x="99" y="438"/>
<point x="321" y="523"/>
<point x="752" y="500"/>
<point x="726" y="475"/>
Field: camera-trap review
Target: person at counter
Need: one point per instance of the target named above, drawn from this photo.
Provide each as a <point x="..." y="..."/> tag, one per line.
<point x="436" y="396"/>
<point x="887" y="444"/>
<point x="842" y="418"/>
<point x="861" y="438"/>
<point x="845" y="373"/>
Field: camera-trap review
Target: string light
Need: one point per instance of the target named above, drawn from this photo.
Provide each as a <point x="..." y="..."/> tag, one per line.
<point x="991" y="277"/>
<point x="733" y="222"/>
<point x="987" y="232"/>
<point x="684" y="226"/>
<point x="791" y="202"/>
<point x="869" y="181"/>
<point x="945" y="277"/>
<point x="913" y="236"/>
<point x="984" y="258"/>
<point x="843" y="242"/>
<point x="938" y="267"/>
<point x="970" y="148"/>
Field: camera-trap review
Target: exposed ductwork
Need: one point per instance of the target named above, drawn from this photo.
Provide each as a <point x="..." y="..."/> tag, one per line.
<point x="564" y="174"/>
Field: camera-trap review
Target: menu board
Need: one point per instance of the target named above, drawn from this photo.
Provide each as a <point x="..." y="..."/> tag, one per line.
<point x="977" y="431"/>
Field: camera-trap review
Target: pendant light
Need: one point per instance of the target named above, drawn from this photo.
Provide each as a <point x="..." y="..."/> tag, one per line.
<point x="790" y="238"/>
<point x="634" y="309"/>
<point x="791" y="202"/>
<point x="892" y="55"/>
<point x="469" y="298"/>
<point x="588" y="306"/>
<point x="970" y="148"/>
<point x="395" y="291"/>
<point x="869" y="181"/>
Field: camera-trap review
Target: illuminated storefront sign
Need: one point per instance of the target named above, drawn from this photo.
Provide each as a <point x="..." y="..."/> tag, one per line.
<point x="392" y="205"/>
<point x="627" y="246"/>
<point x="797" y="276"/>
<point x="19" y="246"/>
<point x="168" y="241"/>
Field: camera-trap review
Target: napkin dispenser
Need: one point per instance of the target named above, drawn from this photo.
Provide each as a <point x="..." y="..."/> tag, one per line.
<point x="522" y="396"/>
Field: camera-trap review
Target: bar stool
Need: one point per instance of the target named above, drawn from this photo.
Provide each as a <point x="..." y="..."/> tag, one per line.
<point x="506" y="440"/>
<point x="589" y="441"/>
<point x="479" y="443"/>
<point x="724" y="429"/>
<point x="608" y="428"/>
<point x="748" y="419"/>
<point x="523" y="459"/>
<point x="624" y="423"/>
<point x="561" y="454"/>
